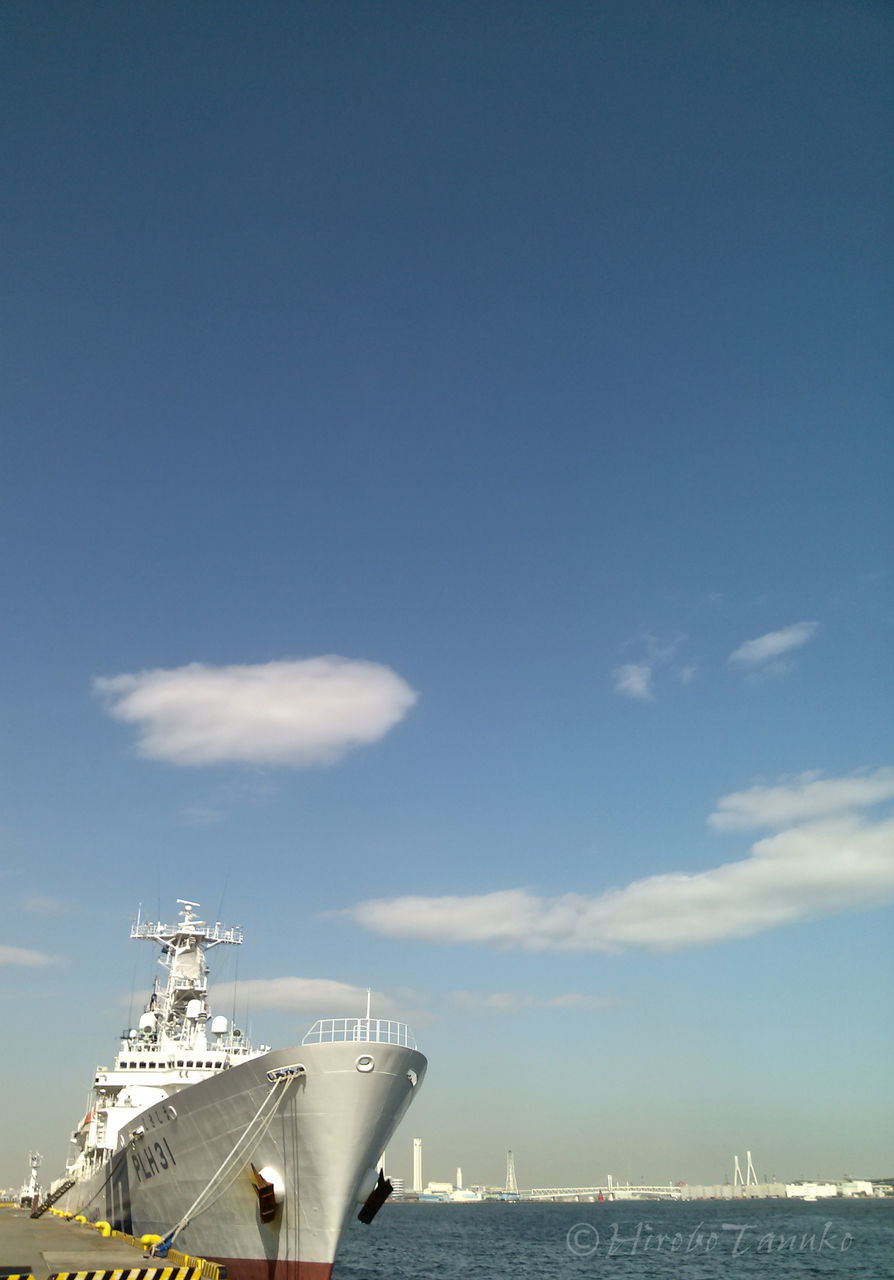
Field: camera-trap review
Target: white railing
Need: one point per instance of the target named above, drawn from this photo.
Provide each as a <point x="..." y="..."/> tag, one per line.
<point x="360" y="1031"/>
<point x="194" y="928"/>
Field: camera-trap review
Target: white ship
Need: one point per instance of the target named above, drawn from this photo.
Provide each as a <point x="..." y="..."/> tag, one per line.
<point x="30" y="1192"/>
<point x="249" y="1156"/>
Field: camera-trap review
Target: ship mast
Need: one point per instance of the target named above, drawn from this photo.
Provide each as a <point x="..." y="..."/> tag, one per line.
<point x="177" y="1014"/>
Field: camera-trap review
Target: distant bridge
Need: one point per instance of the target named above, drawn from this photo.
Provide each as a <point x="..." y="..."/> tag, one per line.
<point x="629" y="1191"/>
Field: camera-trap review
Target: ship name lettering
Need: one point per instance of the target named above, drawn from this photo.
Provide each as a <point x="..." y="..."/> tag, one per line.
<point x="145" y="1163"/>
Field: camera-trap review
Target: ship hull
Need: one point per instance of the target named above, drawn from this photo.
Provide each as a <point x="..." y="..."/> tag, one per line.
<point x="330" y="1123"/>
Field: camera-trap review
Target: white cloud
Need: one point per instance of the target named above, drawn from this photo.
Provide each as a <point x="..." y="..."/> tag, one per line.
<point x="806" y="797"/>
<point x="634" y="680"/>
<point x="317" y="997"/>
<point x="324" y="997"/>
<point x="830" y="864"/>
<point x="22" y="956"/>
<point x="295" y="712"/>
<point x="772" y="646"/>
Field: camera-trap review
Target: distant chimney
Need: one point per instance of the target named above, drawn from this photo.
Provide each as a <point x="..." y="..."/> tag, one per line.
<point x="459" y="1178"/>
<point x="417" y="1165"/>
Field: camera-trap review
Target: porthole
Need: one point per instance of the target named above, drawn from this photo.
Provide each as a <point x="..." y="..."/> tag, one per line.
<point x="365" y="1062"/>
<point x="172" y="1113"/>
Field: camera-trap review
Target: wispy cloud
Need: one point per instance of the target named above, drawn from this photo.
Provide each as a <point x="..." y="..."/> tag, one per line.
<point x="318" y="997"/>
<point x="801" y="799"/>
<point x="202" y="815"/>
<point x="324" y="997"/>
<point x="517" y="1001"/>
<point x="24" y="957"/>
<point x="637" y="679"/>
<point x="215" y="808"/>
<point x="44" y="905"/>
<point x="634" y="680"/>
<point x="770" y="648"/>
<point x="829" y="864"/>
<point x="296" y="712"/>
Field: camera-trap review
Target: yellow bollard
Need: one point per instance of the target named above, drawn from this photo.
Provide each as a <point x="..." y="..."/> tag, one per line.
<point x="104" y="1228"/>
<point x="80" y="1218"/>
<point x="147" y="1240"/>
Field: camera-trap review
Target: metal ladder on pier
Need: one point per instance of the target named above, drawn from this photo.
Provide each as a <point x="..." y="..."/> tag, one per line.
<point x="41" y="1208"/>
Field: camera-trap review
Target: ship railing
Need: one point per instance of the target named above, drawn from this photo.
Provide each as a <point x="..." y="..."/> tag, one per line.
<point x="360" y="1031"/>
<point x="196" y="929"/>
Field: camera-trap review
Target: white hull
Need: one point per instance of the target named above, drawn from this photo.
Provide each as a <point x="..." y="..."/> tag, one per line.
<point x="329" y="1128"/>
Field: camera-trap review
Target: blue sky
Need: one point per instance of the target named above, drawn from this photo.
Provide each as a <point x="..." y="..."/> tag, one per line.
<point x="446" y="456"/>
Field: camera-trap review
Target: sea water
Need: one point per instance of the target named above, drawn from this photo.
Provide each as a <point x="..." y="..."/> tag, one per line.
<point x="624" y="1240"/>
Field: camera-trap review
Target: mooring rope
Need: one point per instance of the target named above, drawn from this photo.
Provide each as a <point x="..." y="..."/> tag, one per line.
<point x="236" y="1160"/>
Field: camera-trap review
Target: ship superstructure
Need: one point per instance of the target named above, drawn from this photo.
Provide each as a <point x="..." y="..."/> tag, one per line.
<point x="30" y="1191"/>
<point x="252" y="1156"/>
<point x="176" y="1042"/>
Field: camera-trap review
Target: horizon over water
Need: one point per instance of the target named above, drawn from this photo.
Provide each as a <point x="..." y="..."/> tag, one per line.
<point x="643" y="1240"/>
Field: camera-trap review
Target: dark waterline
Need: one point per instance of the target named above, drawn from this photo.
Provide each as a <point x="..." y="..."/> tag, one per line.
<point x="647" y="1240"/>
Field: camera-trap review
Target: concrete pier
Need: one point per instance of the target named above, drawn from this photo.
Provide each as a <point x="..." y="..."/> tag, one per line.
<point x="47" y="1246"/>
